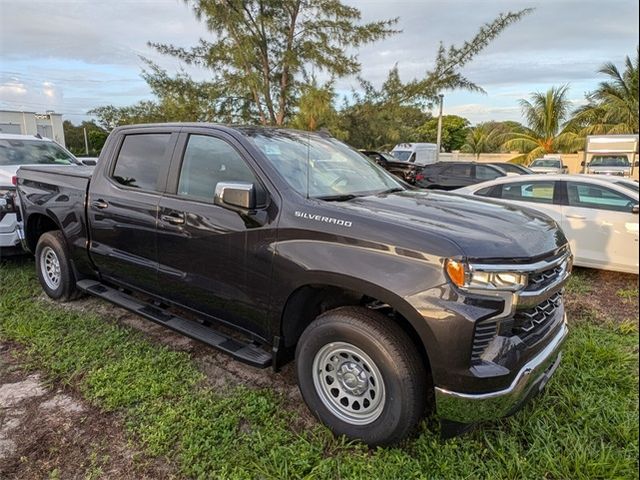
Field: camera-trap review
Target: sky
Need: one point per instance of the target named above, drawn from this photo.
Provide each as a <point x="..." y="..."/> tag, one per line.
<point x="72" y="55"/>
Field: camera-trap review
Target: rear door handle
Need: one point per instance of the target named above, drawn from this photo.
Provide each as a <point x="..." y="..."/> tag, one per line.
<point x="577" y="217"/>
<point x="174" y="219"/>
<point x="101" y="204"/>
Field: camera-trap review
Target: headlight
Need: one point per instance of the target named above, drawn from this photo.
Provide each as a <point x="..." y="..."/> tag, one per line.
<point x="465" y="276"/>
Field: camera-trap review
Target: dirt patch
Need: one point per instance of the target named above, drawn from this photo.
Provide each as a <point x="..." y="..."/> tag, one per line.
<point x="602" y="296"/>
<point x="47" y="432"/>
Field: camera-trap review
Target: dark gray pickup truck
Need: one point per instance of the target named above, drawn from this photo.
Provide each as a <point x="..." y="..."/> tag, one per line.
<point x="275" y="244"/>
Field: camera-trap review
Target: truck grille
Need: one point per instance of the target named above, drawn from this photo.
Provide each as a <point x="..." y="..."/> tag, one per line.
<point x="542" y="279"/>
<point x="532" y="324"/>
<point x="529" y="325"/>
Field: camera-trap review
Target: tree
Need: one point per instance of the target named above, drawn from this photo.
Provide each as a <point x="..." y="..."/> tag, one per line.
<point x="74" y="137"/>
<point x="454" y="132"/>
<point x="612" y="107"/>
<point x="260" y="49"/>
<point x="483" y="138"/>
<point x="315" y="108"/>
<point x="379" y="118"/>
<point x="545" y="114"/>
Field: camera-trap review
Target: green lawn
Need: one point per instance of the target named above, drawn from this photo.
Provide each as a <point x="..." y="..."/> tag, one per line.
<point x="584" y="426"/>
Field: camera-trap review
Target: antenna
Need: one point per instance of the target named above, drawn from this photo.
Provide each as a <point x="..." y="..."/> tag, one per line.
<point x="308" y="161"/>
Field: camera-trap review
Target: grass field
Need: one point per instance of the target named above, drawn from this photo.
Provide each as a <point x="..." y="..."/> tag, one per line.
<point x="584" y="426"/>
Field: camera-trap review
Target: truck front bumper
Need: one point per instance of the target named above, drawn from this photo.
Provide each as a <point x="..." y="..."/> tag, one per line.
<point x="532" y="377"/>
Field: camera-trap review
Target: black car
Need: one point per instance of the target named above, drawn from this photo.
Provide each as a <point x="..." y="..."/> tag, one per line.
<point x="389" y="299"/>
<point x="405" y="170"/>
<point x="512" y="168"/>
<point x="452" y="175"/>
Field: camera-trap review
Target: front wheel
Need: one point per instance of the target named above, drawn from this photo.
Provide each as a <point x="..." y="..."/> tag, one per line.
<point x="361" y="375"/>
<point x="54" y="268"/>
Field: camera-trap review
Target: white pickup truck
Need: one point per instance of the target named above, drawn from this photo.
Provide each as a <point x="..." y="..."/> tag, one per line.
<point x="16" y="151"/>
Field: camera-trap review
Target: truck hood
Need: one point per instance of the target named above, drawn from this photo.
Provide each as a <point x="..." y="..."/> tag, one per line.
<point x="481" y="228"/>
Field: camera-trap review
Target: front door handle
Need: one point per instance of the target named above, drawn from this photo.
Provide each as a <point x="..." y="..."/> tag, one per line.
<point x="577" y="217"/>
<point x="101" y="204"/>
<point x="174" y="219"/>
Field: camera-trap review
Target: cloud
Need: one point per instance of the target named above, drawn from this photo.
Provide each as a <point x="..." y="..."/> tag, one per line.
<point x="90" y="50"/>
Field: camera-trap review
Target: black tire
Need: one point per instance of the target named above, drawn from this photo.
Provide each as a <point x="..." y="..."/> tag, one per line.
<point x="60" y="285"/>
<point x="395" y="358"/>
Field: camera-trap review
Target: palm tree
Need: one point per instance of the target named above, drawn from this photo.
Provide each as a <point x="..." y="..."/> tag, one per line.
<point x="483" y="138"/>
<point x="545" y="114"/>
<point x="613" y="106"/>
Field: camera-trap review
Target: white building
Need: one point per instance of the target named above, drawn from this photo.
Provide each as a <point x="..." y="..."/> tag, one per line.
<point x="48" y="124"/>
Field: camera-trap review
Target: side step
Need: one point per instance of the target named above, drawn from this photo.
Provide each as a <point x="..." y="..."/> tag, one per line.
<point x="245" y="352"/>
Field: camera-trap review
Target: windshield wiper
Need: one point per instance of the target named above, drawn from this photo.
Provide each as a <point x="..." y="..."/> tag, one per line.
<point x="391" y="190"/>
<point x="338" y="198"/>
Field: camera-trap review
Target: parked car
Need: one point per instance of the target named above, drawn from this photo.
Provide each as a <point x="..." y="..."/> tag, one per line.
<point x="16" y="151"/>
<point x="549" y="165"/>
<point x="404" y="170"/>
<point x="617" y="165"/>
<point x="452" y="175"/>
<point x="512" y="168"/>
<point x="598" y="215"/>
<point x="385" y="296"/>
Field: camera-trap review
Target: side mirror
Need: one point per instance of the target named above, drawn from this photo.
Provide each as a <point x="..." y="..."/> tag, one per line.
<point x="235" y="195"/>
<point x="564" y="167"/>
<point x="635" y="209"/>
<point x="636" y="164"/>
<point x="88" y="162"/>
<point x="583" y="163"/>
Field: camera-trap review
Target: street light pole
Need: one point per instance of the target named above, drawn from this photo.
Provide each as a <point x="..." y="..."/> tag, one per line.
<point x="439" y="138"/>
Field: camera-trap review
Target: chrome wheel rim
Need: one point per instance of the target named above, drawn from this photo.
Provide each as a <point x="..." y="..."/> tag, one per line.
<point x="349" y="383"/>
<point x="50" y="268"/>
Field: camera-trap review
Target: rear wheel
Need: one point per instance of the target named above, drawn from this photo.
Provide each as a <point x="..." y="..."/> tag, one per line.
<point x="361" y="375"/>
<point x="54" y="268"/>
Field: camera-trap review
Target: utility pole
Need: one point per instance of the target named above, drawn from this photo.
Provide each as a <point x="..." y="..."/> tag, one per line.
<point x="439" y="140"/>
<point x="86" y="141"/>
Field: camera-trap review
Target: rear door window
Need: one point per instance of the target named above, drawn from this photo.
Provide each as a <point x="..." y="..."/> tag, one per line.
<point x="487" y="173"/>
<point x="143" y="161"/>
<point x="457" y="171"/>
<point x="595" y="196"/>
<point x="537" y="192"/>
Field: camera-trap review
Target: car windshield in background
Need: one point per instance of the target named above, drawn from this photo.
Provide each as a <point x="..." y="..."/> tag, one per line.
<point x="402" y="155"/>
<point x="546" y="163"/>
<point x="633" y="186"/>
<point x="33" y="152"/>
<point x="609" y="161"/>
<point x="322" y="167"/>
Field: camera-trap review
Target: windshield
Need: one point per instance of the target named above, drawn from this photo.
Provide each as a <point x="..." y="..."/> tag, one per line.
<point x="403" y="155"/>
<point x="33" y="152"/>
<point x="546" y="163"/>
<point x="610" y="161"/>
<point x="633" y="186"/>
<point x="335" y="169"/>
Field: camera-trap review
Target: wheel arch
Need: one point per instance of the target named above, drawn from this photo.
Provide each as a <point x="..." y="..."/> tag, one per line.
<point x="311" y="299"/>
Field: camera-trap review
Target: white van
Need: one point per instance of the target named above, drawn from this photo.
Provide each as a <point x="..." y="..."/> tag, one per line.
<point x="420" y="153"/>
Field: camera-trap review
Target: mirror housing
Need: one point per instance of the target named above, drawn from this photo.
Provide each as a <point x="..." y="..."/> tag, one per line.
<point x="636" y="163"/>
<point x="88" y="162"/>
<point x="583" y="163"/>
<point x="635" y="209"/>
<point x="236" y="195"/>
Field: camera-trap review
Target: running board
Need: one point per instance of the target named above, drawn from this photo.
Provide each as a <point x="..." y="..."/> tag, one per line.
<point x="245" y="352"/>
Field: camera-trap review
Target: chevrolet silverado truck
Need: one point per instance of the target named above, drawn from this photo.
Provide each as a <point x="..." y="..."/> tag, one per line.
<point x="274" y="245"/>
